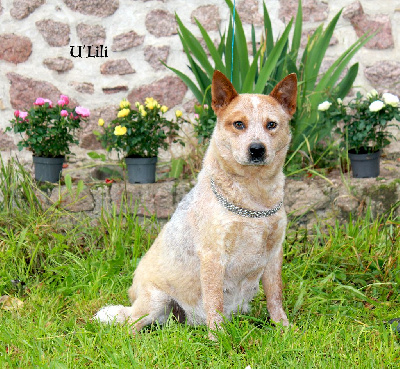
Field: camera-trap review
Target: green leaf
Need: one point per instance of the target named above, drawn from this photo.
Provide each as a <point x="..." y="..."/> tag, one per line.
<point x="297" y="32"/>
<point x="177" y="167"/>
<point x="68" y="182"/>
<point x="212" y="49"/>
<point x="79" y="187"/>
<point x="272" y="59"/>
<point x="240" y="44"/>
<point x="268" y="30"/>
<point x="248" y="83"/>
<point x="195" y="47"/>
<point x="343" y="88"/>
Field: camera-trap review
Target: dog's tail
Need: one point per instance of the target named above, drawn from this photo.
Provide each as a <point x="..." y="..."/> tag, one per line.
<point x="113" y="314"/>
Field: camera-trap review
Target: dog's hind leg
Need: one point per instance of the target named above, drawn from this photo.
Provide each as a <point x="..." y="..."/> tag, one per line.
<point x="149" y="306"/>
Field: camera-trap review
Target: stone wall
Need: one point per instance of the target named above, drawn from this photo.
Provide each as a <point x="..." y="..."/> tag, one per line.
<point x="40" y="42"/>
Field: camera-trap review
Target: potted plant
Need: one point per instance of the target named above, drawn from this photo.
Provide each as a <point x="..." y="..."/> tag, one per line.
<point x="138" y="133"/>
<point x="363" y="123"/>
<point x="48" y="131"/>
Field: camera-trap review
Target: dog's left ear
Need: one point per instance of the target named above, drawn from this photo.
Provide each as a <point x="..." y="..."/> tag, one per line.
<point x="285" y="92"/>
<point x="222" y="91"/>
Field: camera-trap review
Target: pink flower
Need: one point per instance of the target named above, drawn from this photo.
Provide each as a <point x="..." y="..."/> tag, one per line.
<point x="196" y="116"/>
<point x="65" y="98"/>
<point x="61" y="102"/>
<point x="39" y="101"/>
<point x="49" y="102"/>
<point x="63" y="113"/>
<point x="16" y="114"/>
<point x="82" y="111"/>
<point x="23" y="114"/>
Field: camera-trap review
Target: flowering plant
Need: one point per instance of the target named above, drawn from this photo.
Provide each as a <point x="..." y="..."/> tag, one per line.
<point x="205" y="122"/>
<point x="142" y="131"/>
<point x="365" y="120"/>
<point x="46" y="129"/>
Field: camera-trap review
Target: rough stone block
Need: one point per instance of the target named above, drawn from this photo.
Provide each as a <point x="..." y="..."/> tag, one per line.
<point x="15" y="49"/>
<point x="154" y="55"/>
<point x="126" y="41"/>
<point x="208" y="16"/>
<point x="168" y="91"/>
<point x="59" y="64"/>
<point x="249" y="13"/>
<point x="161" y="23"/>
<point x="24" y="91"/>
<point x="6" y="142"/>
<point x="313" y="10"/>
<point x="114" y="90"/>
<point x="72" y="201"/>
<point x="121" y="67"/>
<point x="384" y="75"/>
<point x="55" y="33"/>
<point x="99" y="8"/>
<point x="83" y="87"/>
<point x="364" y="23"/>
<point x="23" y="8"/>
<point x="145" y="199"/>
<point x="91" y="35"/>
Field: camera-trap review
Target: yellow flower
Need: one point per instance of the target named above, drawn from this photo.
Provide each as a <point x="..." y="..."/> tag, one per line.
<point x="137" y="104"/>
<point x="151" y="103"/>
<point x="124" y="104"/>
<point x="164" y="109"/>
<point x="143" y="113"/>
<point x="101" y="122"/>
<point x="119" y="130"/>
<point x="178" y="113"/>
<point x="123" y="113"/>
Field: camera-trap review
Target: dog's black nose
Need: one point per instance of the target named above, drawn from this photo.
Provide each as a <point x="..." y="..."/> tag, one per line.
<point x="257" y="152"/>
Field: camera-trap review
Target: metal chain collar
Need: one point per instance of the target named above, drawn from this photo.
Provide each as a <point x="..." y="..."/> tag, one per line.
<point x="241" y="211"/>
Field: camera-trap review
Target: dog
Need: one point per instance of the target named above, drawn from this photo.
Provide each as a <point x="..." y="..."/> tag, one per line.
<point x="226" y="234"/>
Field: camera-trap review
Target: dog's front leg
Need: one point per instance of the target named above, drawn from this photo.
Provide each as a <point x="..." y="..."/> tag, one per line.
<point x="211" y="279"/>
<point x="272" y="281"/>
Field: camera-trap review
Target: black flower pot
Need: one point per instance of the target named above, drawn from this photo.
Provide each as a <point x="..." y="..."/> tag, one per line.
<point x="141" y="170"/>
<point x="365" y="165"/>
<point x="48" y="169"/>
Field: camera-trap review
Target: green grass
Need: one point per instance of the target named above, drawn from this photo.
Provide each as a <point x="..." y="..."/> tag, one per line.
<point x="341" y="286"/>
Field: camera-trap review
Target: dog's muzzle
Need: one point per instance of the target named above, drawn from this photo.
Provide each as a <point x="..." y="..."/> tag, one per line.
<point x="257" y="152"/>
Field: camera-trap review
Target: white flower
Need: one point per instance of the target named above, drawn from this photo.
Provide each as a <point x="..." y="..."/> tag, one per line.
<point x="324" y="106"/>
<point x="376" y="106"/>
<point x="372" y="93"/>
<point x="390" y="99"/>
<point x="339" y="101"/>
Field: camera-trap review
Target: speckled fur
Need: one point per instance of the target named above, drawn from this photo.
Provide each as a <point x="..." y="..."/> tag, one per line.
<point x="207" y="261"/>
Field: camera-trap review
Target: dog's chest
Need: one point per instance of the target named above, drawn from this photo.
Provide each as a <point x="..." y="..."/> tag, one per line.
<point x="245" y="250"/>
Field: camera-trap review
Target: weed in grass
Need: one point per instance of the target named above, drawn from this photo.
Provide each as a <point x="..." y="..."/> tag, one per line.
<point x="341" y="287"/>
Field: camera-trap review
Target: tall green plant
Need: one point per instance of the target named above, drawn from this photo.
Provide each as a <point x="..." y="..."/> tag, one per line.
<point x="243" y="71"/>
<point x="271" y="62"/>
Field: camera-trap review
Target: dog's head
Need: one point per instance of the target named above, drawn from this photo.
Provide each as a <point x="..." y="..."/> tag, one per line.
<point x="252" y="128"/>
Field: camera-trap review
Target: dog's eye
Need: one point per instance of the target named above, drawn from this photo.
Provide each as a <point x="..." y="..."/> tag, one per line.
<point x="239" y="125"/>
<point x="272" y="125"/>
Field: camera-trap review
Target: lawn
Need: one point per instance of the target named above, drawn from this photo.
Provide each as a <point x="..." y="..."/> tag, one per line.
<point x="341" y="287"/>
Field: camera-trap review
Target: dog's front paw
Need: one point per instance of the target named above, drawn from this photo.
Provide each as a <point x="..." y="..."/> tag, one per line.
<point x="110" y="314"/>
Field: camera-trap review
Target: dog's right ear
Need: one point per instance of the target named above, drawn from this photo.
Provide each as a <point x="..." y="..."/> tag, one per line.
<point x="222" y="92"/>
